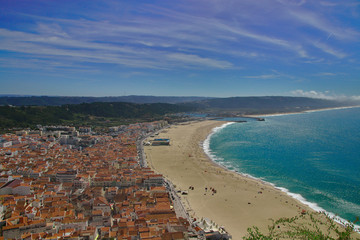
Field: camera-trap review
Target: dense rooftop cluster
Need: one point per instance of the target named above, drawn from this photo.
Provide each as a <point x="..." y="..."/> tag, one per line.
<point x="63" y="183"/>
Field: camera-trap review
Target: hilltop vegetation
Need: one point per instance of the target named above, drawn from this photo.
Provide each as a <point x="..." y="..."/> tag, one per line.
<point x="113" y="113"/>
<point x="305" y="226"/>
<point x="85" y="114"/>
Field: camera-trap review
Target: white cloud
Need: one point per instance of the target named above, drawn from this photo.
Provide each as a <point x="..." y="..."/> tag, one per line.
<point x="219" y="39"/>
<point x="329" y="50"/>
<point x="355" y="98"/>
<point x="328" y="4"/>
<point x="196" y="60"/>
<point x="51" y="29"/>
<point x="311" y="94"/>
<point x="90" y="51"/>
<point x="212" y="29"/>
<point x="349" y="3"/>
<point x="324" y="95"/>
<point x="265" y="76"/>
<point x="328" y="74"/>
<point x="292" y="2"/>
<point x="139" y="42"/>
<point x="315" y="20"/>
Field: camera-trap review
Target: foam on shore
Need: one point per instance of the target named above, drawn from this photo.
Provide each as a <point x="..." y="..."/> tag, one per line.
<point x="316" y="207"/>
<point x="206" y="143"/>
<point x="220" y="162"/>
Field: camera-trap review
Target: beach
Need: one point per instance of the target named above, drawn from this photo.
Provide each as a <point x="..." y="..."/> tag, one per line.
<point x="229" y="199"/>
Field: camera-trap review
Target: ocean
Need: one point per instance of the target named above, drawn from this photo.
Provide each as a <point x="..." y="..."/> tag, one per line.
<point x="314" y="156"/>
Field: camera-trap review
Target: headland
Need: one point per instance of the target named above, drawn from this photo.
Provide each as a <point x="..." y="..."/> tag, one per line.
<point x="300" y="112"/>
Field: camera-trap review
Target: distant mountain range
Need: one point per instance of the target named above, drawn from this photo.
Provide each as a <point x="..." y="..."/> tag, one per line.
<point x="16" y="100"/>
<point x="29" y="111"/>
<point x="203" y="103"/>
<point x="272" y="104"/>
<point x="269" y="104"/>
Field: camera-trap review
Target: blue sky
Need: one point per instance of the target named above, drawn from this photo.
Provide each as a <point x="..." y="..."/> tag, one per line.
<point x="218" y="48"/>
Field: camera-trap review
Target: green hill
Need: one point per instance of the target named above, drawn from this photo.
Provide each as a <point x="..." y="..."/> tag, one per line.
<point x="114" y="113"/>
<point x="85" y="114"/>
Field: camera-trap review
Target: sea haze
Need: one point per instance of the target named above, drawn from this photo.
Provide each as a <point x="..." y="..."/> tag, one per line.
<point x="315" y="156"/>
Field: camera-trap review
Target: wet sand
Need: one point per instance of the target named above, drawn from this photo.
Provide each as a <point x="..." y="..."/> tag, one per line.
<point x="239" y="202"/>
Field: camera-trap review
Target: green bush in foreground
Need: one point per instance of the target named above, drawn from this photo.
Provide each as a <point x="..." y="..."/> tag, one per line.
<point x="304" y="226"/>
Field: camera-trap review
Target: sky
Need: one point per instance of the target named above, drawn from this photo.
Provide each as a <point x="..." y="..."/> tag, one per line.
<point x="214" y="48"/>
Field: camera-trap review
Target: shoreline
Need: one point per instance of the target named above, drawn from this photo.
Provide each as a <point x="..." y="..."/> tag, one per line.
<point x="240" y="201"/>
<point x="312" y="205"/>
<point x="302" y="112"/>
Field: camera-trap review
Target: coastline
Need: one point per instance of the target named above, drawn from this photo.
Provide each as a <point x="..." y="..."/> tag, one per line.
<point x="240" y="201"/>
<point x="312" y="205"/>
<point x="307" y="111"/>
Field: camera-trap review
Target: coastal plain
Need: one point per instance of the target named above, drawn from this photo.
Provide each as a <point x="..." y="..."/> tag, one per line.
<point x="231" y="200"/>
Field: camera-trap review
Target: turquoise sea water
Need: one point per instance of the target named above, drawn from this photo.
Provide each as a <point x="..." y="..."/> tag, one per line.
<point x="315" y="156"/>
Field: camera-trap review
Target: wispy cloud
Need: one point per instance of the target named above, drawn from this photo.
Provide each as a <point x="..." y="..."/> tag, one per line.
<point x="326" y="74"/>
<point x="174" y="39"/>
<point x="264" y="76"/>
<point x="292" y="2"/>
<point x="90" y="51"/>
<point x="149" y="39"/>
<point x="194" y="60"/>
<point x="208" y="36"/>
<point x="316" y="21"/>
<point x="327" y="49"/>
<point x="274" y="74"/>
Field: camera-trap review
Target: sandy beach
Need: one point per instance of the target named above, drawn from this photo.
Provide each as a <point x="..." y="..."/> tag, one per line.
<point x="239" y="202"/>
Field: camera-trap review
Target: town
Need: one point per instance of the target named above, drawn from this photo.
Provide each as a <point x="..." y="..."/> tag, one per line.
<point x="59" y="182"/>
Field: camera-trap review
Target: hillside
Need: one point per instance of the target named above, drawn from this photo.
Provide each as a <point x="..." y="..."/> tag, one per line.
<point x="58" y="101"/>
<point x="105" y="114"/>
<point x="112" y="113"/>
